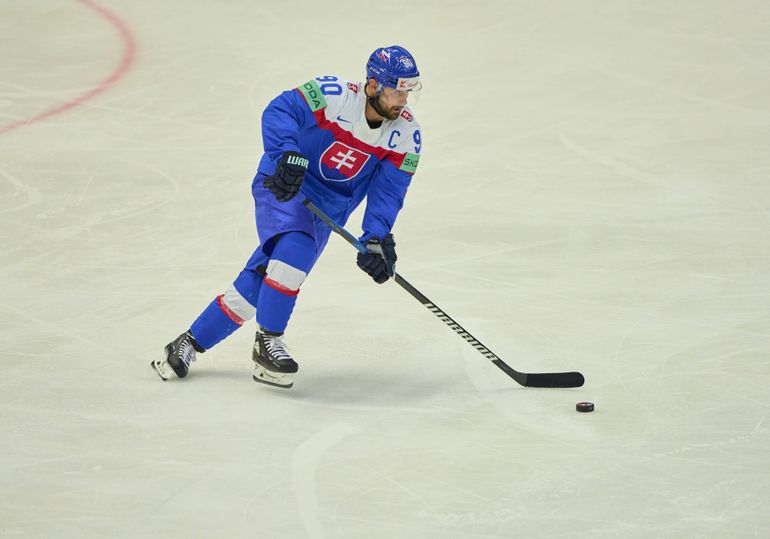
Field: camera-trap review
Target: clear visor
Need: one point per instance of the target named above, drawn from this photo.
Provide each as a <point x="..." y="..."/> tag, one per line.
<point x="411" y="88"/>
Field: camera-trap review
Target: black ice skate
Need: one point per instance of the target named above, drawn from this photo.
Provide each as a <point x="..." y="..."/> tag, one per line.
<point x="272" y="363"/>
<point x="178" y="355"/>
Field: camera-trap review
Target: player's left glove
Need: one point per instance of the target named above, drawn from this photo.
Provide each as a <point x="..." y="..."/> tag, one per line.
<point x="380" y="260"/>
<point x="289" y="173"/>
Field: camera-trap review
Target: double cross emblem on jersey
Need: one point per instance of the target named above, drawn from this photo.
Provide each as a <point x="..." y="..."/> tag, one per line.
<point x="341" y="162"/>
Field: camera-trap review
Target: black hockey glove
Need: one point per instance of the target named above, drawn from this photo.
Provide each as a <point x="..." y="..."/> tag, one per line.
<point x="380" y="261"/>
<point x="289" y="173"/>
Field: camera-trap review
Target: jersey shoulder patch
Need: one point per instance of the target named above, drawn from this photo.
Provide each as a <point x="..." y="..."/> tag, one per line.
<point x="329" y="92"/>
<point x="406" y="139"/>
<point x="313" y="95"/>
<point x="410" y="162"/>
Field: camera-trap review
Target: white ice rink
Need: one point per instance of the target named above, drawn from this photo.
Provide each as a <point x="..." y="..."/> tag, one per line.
<point x="593" y="194"/>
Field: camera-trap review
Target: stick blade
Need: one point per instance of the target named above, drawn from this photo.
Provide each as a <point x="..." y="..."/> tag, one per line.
<point x="554" y="379"/>
<point x="541" y="379"/>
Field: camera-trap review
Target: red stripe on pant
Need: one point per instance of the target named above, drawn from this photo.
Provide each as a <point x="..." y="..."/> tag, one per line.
<point x="275" y="285"/>
<point x="230" y="314"/>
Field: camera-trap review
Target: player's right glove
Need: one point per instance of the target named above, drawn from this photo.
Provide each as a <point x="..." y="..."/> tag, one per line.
<point x="380" y="260"/>
<point x="289" y="173"/>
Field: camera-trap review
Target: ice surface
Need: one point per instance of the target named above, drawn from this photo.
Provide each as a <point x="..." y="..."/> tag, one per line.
<point x="593" y="194"/>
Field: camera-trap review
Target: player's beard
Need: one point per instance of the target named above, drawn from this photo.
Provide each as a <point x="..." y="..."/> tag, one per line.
<point x="390" y="113"/>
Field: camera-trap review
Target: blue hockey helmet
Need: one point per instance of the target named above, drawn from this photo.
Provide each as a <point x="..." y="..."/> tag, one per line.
<point x="393" y="67"/>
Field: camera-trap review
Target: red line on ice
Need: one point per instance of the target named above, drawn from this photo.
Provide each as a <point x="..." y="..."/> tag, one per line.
<point x="126" y="61"/>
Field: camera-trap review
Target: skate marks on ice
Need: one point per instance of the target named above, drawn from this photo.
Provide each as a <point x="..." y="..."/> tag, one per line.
<point x="22" y="196"/>
<point x="601" y="158"/>
<point x="544" y="411"/>
<point x="639" y="81"/>
<point x="404" y="375"/>
<point x="304" y="464"/>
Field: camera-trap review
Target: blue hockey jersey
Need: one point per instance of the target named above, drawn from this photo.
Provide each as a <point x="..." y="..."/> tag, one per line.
<point x="324" y="120"/>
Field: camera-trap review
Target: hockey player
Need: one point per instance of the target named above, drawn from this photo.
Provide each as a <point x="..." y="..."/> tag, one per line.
<point x="338" y="142"/>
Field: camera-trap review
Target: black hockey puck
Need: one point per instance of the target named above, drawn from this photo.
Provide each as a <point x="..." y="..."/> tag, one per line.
<point x="584" y="407"/>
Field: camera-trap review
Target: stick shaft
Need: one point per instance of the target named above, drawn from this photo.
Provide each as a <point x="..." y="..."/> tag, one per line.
<point x="557" y="379"/>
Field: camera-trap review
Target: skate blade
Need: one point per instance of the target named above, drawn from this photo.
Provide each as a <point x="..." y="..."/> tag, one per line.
<point x="263" y="376"/>
<point x="162" y="367"/>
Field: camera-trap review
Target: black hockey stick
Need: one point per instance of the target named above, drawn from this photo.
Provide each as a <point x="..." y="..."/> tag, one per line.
<point x="540" y="379"/>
